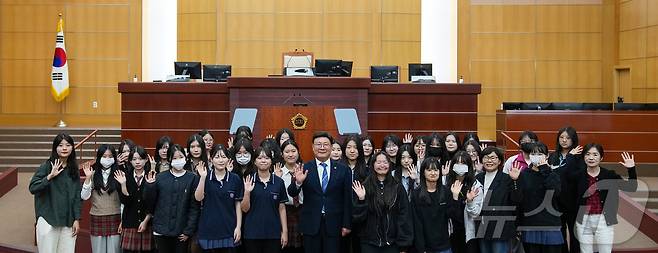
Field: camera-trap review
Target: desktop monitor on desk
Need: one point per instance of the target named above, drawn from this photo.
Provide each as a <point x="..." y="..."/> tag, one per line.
<point x="188" y="68"/>
<point x="420" y="69"/>
<point x="216" y="73"/>
<point x="325" y="67"/>
<point x="384" y="74"/>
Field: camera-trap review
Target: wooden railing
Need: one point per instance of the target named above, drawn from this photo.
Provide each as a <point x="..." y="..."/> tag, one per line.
<point x="81" y="143"/>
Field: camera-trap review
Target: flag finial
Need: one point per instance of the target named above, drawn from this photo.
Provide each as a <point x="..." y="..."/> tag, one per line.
<point x="60" y="15"/>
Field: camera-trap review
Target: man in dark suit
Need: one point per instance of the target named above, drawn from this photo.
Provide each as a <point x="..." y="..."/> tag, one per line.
<point x="327" y="211"/>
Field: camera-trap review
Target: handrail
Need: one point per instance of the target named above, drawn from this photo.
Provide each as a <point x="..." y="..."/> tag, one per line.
<point x="509" y="138"/>
<point x="84" y="140"/>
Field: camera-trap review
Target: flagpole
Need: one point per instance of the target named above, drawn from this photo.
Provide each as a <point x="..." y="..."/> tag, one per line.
<point x="61" y="122"/>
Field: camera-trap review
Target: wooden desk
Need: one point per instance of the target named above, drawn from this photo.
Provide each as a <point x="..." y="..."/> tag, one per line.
<point x="616" y="131"/>
<point x="150" y="110"/>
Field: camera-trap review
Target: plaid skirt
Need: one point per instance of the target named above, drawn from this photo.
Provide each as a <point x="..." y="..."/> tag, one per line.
<point x="132" y="240"/>
<point x="105" y="225"/>
<point x="294" y="237"/>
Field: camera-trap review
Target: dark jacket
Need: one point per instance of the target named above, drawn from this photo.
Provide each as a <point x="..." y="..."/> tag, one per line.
<point x="394" y="227"/>
<point x="431" y="219"/>
<point x="608" y="184"/>
<point x="567" y="203"/>
<point x="175" y="211"/>
<point x="536" y="193"/>
<point x="497" y="209"/>
<point x="135" y="206"/>
<point x="337" y="199"/>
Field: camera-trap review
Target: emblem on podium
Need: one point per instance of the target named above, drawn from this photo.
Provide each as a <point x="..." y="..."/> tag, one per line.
<point x="299" y="121"/>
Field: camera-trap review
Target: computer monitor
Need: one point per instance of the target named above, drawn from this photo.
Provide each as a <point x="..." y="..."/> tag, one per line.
<point x="346" y="68"/>
<point x="420" y="69"/>
<point x="597" y="106"/>
<point x="384" y="74"/>
<point x="629" y="107"/>
<point x="536" y="106"/>
<point x="567" y="106"/>
<point x="512" y="105"/>
<point x="188" y="68"/>
<point x="216" y="73"/>
<point x="325" y="67"/>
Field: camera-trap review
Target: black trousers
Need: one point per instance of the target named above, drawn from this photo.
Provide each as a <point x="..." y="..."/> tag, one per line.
<point x="539" y="248"/>
<point x="473" y="246"/>
<point x="367" y="248"/>
<point x="568" y="224"/>
<point x="262" y="246"/>
<point x="321" y="242"/>
<point x="170" y="244"/>
<point x="223" y="250"/>
<point x="458" y="241"/>
<point x="350" y="243"/>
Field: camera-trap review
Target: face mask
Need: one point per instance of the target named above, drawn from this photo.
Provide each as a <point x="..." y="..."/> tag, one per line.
<point x="243" y="159"/>
<point x="178" y="163"/>
<point x="536" y="159"/>
<point x="433" y="151"/>
<point x="107" y="162"/>
<point x="460" y="169"/>
<point x="526" y="147"/>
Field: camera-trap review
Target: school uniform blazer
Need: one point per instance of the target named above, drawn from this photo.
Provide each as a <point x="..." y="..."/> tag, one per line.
<point x="497" y="209"/>
<point x="337" y="199"/>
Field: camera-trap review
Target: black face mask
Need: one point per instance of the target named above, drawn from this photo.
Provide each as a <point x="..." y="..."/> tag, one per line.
<point x="526" y="147"/>
<point x="433" y="151"/>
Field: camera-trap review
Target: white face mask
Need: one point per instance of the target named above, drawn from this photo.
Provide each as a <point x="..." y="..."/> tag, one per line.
<point x="107" y="162"/>
<point x="178" y="163"/>
<point x="460" y="169"/>
<point x="243" y="159"/>
<point x="536" y="159"/>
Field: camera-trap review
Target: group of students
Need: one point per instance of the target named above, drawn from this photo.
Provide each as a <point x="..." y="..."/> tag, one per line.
<point x="416" y="194"/>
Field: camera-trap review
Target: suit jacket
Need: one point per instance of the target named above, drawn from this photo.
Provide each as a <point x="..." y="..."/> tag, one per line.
<point x="498" y="215"/>
<point x="337" y="199"/>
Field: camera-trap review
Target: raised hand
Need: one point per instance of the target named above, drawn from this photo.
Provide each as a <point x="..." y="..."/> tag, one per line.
<point x="121" y="159"/>
<point x="120" y="177"/>
<point x="628" y="160"/>
<point x="278" y="169"/>
<point x="152" y="161"/>
<point x="408" y="138"/>
<point x="229" y="165"/>
<point x="269" y="136"/>
<point x="477" y="165"/>
<point x="86" y="168"/>
<point x="543" y="161"/>
<point x="150" y="177"/>
<point x="413" y="172"/>
<point x="515" y="171"/>
<point x="300" y="174"/>
<point x="201" y="169"/>
<point x="471" y="194"/>
<point x="359" y="190"/>
<point x="248" y="184"/>
<point x="577" y="150"/>
<point x="229" y="144"/>
<point x="446" y="168"/>
<point x="483" y="146"/>
<point x="377" y="150"/>
<point x="421" y="154"/>
<point x="456" y="188"/>
<point x="56" y="169"/>
<point x="183" y="237"/>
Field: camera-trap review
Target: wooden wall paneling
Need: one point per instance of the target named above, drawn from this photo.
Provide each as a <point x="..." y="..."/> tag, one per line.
<point x="27" y="100"/>
<point x="652" y="41"/>
<point x="652" y="75"/>
<point x="633" y="44"/>
<point x="633" y="14"/>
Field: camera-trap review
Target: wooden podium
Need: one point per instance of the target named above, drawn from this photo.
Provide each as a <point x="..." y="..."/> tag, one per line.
<point x="151" y="110"/>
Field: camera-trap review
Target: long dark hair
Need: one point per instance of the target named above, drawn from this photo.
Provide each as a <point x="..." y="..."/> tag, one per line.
<point x="158" y="145"/>
<point x="459" y="144"/>
<point x="141" y="152"/>
<point x="294" y="144"/>
<point x="204" y="154"/>
<point x="398" y="160"/>
<point x="71" y="160"/>
<point x="360" y="168"/>
<point x="291" y="135"/>
<point x="242" y="170"/>
<point x="172" y="150"/>
<point x="437" y="138"/>
<point x="391" y="138"/>
<point x="130" y="143"/>
<point x="275" y="148"/>
<point x="98" y="170"/>
<point x="213" y="152"/>
<point x="572" y="134"/>
<point x="380" y="201"/>
<point x="434" y="164"/>
<point x="469" y="177"/>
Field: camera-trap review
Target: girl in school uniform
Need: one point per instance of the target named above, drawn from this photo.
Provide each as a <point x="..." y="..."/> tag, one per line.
<point x="405" y="170"/>
<point x="125" y="147"/>
<point x="469" y="203"/>
<point x="102" y="185"/>
<point x="220" y="192"/>
<point x="56" y="189"/>
<point x="293" y="160"/>
<point x="136" y="234"/>
<point x="242" y="154"/>
<point x="174" y="209"/>
<point x="196" y="153"/>
<point x="160" y="157"/>
<point x="265" y="222"/>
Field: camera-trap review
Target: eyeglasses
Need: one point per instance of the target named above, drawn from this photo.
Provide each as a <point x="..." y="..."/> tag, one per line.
<point x="490" y="158"/>
<point x="321" y="145"/>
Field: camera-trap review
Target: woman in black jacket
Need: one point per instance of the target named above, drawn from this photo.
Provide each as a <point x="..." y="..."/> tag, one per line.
<point x="496" y="224"/>
<point x="598" y="190"/>
<point x="136" y="235"/>
<point x="382" y="210"/>
<point x="432" y="207"/>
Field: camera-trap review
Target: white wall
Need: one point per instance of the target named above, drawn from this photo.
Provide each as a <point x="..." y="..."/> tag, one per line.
<point x="438" y="35"/>
<point x="159" y="21"/>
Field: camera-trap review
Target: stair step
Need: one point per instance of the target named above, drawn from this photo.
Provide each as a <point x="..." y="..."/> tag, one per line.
<point x="55" y="131"/>
<point x="76" y="138"/>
